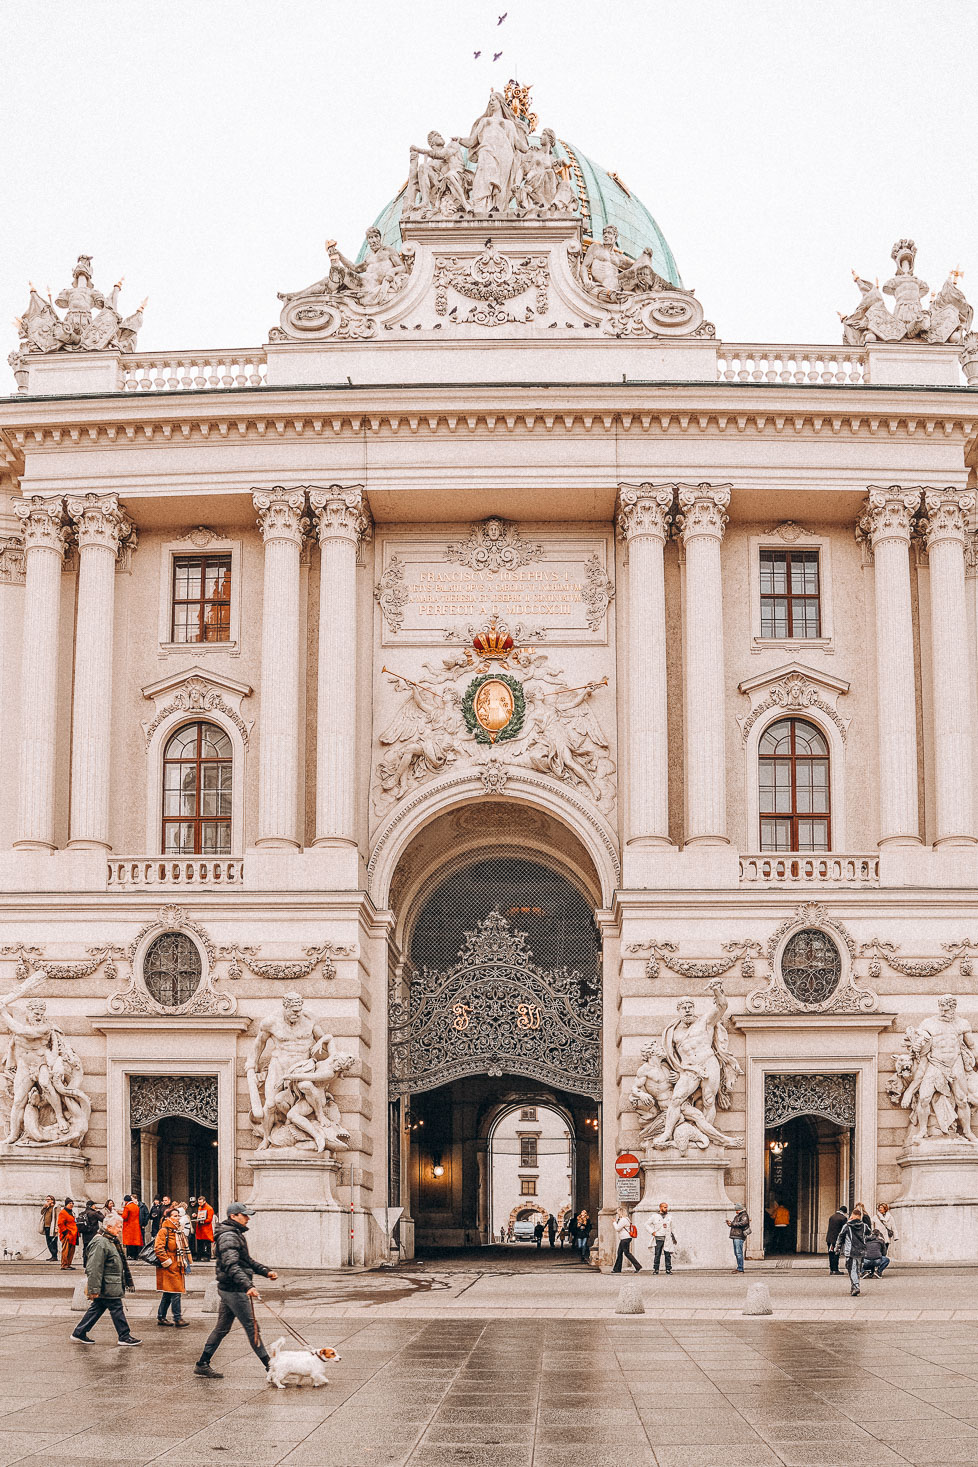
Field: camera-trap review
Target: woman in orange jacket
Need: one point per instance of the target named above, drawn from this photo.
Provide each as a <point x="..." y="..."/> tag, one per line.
<point x="132" y="1233"/>
<point x="68" y="1233"/>
<point x="172" y="1262"/>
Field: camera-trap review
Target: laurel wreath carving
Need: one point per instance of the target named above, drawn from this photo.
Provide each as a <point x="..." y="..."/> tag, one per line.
<point x="509" y="730"/>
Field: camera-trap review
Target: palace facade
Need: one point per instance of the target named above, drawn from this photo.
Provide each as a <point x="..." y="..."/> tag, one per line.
<point x="494" y="658"/>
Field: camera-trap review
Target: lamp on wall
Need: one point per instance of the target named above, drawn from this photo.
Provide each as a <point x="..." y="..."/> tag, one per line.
<point x="437" y="1170"/>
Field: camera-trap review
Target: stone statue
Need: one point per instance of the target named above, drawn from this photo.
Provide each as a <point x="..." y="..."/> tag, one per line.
<point x="40" y="1076"/>
<point x="563" y="737"/>
<point x="92" y="320"/>
<point x="495" y="144"/>
<point x="696" y="1048"/>
<point x="936" y="1077"/>
<point x="438" y="180"/>
<point x="950" y="314"/>
<point x="292" y="1063"/>
<point x="611" y="275"/>
<point x="652" y="1096"/>
<point x="542" y="188"/>
<point x="423" y="736"/>
<point x="948" y="320"/>
<point x="372" y="283"/>
<point x="907" y="291"/>
<point x="871" y="320"/>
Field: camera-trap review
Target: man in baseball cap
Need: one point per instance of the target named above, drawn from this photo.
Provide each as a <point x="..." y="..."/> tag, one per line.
<point x="235" y="1270"/>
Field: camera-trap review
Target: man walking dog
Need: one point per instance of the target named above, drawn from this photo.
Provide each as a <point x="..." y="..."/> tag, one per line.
<point x="235" y="1269"/>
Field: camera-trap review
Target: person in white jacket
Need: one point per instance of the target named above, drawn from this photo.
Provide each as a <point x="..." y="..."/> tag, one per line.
<point x="884" y="1225"/>
<point x="624" y="1232"/>
<point x="662" y="1237"/>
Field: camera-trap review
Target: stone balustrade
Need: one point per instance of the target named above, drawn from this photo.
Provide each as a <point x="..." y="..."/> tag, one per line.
<point x="796" y="869"/>
<point x="789" y="364"/>
<point x="137" y="872"/>
<point x="187" y="371"/>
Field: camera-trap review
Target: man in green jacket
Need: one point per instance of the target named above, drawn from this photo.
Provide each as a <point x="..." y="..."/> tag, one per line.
<point x="108" y="1278"/>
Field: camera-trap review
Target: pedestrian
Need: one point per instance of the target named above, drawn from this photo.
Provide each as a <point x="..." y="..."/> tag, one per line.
<point x="884" y="1225"/>
<point x="538" y="1231"/>
<point x="551" y="1230"/>
<point x="156" y="1215"/>
<point x="852" y="1245"/>
<point x="782" y="1222"/>
<point x="235" y="1269"/>
<point x="192" y="1235"/>
<point x="68" y="1233"/>
<point x="143" y="1213"/>
<point x="585" y="1232"/>
<point x="581" y="1227"/>
<point x="204" y="1230"/>
<point x="132" y="1233"/>
<point x="662" y="1237"/>
<point x="49" y="1226"/>
<point x="111" y="1213"/>
<point x="835" y="1225"/>
<point x="186" y="1223"/>
<point x="739" y="1226"/>
<point x="875" y="1261"/>
<point x="89" y="1222"/>
<point x="172" y="1262"/>
<point x="625" y="1231"/>
<point x="108" y="1279"/>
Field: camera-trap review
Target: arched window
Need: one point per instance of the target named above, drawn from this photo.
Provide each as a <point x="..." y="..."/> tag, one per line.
<point x="793" y="780"/>
<point x="197" y="791"/>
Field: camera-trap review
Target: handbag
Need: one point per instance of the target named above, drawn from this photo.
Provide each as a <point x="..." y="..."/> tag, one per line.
<point x="632" y="1231"/>
<point x="147" y="1254"/>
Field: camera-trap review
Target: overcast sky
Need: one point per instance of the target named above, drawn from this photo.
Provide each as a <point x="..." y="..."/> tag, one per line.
<point x="205" y="148"/>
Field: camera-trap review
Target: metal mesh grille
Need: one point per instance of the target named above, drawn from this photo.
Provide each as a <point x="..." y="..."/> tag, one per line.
<point x="556" y="918"/>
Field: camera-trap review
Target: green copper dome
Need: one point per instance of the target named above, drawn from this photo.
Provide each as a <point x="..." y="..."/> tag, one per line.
<point x="604" y="200"/>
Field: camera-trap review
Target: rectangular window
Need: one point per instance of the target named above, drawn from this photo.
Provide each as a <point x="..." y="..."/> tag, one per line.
<point x="201" y="603"/>
<point x="528" y="1187"/>
<point x="528" y="1113"/>
<point x="528" y="1151"/>
<point x="790" y="594"/>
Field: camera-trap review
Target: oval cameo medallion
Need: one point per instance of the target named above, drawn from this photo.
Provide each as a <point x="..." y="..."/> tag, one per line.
<point x="493" y="706"/>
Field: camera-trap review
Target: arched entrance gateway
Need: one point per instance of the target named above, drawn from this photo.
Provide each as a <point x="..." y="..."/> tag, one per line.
<point x="494" y="1011"/>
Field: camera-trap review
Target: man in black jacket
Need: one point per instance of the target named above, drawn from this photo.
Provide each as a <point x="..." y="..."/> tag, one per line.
<point x="835" y="1225"/>
<point x="235" y="1269"/>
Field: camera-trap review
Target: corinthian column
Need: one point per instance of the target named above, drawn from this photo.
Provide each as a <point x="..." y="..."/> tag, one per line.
<point x="703" y="518"/>
<point x="100" y="526"/>
<point x="44" y="548"/>
<point x="643" y="520"/>
<point x="342" y="520"/>
<point x="886" y="523"/>
<point x="282" y="525"/>
<point x="945" y="534"/>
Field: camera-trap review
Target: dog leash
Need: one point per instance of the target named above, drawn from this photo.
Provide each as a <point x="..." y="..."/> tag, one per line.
<point x="294" y="1332"/>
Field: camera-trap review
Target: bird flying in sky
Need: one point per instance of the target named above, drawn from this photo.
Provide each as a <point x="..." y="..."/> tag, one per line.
<point x="502" y="17"/>
<point x="476" y="54"/>
<point x="497" y="55"/>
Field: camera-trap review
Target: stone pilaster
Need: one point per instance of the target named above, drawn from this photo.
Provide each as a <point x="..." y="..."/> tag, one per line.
<point x="702" y="522"/>
<point x="282" y="524"/>
<point x="44" y="548"/>
<point x="643" y="524"/>
<point x="100" y="527"/>
<point x="342" y="519"/>
<point x="945" y="533"/>
<point x="886" y="523"/>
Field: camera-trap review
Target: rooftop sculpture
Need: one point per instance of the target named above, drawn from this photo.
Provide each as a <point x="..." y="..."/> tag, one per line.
<point x="947" y="319"/>
<point x="92" y="320"/>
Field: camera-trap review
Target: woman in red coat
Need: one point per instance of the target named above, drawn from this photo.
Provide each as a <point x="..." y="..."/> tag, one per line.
<point x="132" y="1233"/>
<point x="205" y="1227"/>
<point x="68" y="1233"/>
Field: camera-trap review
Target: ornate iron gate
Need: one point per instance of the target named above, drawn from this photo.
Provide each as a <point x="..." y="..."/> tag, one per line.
<point x="496" y="1010"/>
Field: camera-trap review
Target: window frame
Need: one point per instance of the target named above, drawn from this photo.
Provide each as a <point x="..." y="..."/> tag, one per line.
<point x="528" y="1187"/>
<point x="173" y="550"/>
<point x="529" y="1151"/>
<point x="196" y="820"/>
<point x="206" y="559"/>
<point x="794" y="816"/>
<point x="803" y="554"/>
<point x="802" y="540"/>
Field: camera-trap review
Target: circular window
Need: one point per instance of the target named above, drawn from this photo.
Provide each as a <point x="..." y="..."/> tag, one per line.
<point x="171" y="969"/>
<point x="811" y="966"/>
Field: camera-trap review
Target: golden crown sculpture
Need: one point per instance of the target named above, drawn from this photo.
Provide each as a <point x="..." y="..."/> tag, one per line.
<point x="493" y="645"/>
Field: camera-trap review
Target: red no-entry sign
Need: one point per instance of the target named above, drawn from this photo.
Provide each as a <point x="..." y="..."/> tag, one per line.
<point x="627" y="1165"/>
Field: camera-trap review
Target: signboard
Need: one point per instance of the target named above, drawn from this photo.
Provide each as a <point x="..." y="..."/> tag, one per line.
<point x="386" y="1217"/>
<point x="628" y="1189"/>
<point x="627" y="1165"/>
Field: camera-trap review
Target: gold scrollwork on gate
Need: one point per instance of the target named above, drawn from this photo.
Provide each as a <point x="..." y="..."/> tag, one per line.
<point x="463" y="1013"/>
<point x="528" y="1016"/>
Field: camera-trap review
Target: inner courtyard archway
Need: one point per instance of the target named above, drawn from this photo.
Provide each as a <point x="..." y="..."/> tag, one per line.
<point x="495" y="1006"/>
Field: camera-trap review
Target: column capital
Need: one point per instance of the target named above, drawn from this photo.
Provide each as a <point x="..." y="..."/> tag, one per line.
<point x="702" y="510"/>
<point x="944" y="515"/>
<point x="280" y="514"/>
<point x="888" y="512"/>
<point x="99" y="521"/>
<point x="43" y="521"/>
<point x="644" y="510"/>
<point x="341" y="512"/>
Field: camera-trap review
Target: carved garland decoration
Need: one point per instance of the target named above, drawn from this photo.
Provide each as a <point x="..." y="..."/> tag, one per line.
<point x="491" y="279"/>
<point x="391" y="594"/>
<point x="197" y="697"/>
<point x="880" y="952"/>
<point x="135" y="998"/>
<point x="794" y="692"/>
<point x="808" y="982"/>
<point x="320" y="957"/>
<point x="663" y="955"/>
<point x="596" y="593"/>
<point x="31" y="959"/>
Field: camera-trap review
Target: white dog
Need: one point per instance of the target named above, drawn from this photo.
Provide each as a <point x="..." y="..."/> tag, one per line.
<point x="298" y="1365"/>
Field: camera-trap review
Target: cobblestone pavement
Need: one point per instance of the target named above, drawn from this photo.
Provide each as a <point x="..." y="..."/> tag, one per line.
<point x="511" y="1392"/>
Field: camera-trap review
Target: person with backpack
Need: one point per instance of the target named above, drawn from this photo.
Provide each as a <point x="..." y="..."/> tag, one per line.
<point x="234" y="1271"/>
<point x="89" y="1222"/>
<point x="852" y="1243"/>
<point x="739" y="1226"/>
<point x="625" y="1231"/>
